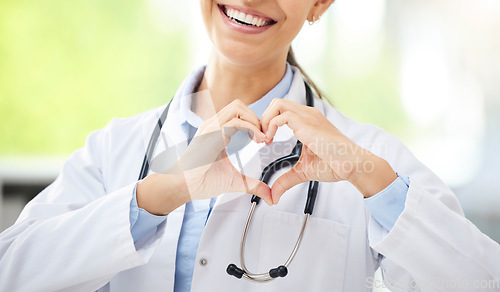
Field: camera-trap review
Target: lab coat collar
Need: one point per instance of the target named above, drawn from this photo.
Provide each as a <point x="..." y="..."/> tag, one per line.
<point x="184" y="94"/>
<point x="172" y="134"/>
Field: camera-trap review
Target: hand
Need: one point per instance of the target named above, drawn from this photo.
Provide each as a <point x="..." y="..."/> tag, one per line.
<point x="327" y="154"/>
<point x="205" y="165"/>
<point x="204" y="170"/>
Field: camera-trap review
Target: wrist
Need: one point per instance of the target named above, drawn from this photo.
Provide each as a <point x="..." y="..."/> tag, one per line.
<point x="374" y="175"/>
<point x="160" y="194"/>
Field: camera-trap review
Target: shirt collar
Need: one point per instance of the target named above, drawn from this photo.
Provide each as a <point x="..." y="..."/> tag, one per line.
<point x="188" y="117"/>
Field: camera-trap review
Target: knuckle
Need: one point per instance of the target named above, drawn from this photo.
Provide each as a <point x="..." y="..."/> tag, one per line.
<point x="301" y="176"/>
<point x="239" y="103"/>
<point x="287" y="115"/>
<point x="273" y="121"/>
<point x="315" y="111"/>
<point x="235" y="105"/>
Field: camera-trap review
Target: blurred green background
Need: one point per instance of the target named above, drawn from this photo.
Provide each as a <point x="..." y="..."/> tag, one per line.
<point x="68" y="67"/>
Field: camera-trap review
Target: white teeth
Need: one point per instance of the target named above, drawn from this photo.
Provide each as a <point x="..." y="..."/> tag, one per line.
<point x="241" y="16"/>
<point x="249" y="19"/>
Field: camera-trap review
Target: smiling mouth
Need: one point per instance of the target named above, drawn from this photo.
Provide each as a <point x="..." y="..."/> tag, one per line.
<point x="246" y="19"/>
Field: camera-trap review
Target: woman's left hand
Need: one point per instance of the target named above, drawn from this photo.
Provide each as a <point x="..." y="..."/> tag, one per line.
<point x="327" y="154"/>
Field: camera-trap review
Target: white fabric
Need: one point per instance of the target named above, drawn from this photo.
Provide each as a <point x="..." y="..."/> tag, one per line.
<point x="75" y="235"/>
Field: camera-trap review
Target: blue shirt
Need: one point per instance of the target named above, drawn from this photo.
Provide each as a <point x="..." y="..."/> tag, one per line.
<point x="385" y="207"/>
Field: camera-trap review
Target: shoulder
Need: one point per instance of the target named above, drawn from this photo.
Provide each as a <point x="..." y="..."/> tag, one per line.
<point x="396" y="153"/>
<point x="136" y="127"/>
<point x="364" y="134"/>
<point x="117" y="150"/>
<point x="376" y="140"/>
<point x="136" y="122"/>
<point x="122" y="134"/>
<point x="386" y="146"/>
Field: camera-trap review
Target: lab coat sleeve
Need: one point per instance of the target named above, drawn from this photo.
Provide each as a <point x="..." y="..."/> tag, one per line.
<point x="74" y="236"/>
<point x="432" y="246"/>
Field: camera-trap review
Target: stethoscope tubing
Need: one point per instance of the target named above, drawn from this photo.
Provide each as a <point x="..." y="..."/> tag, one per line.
<point x="152" y="142"/>
<point x="265" y="277"/>
<point x="267" y="173"/>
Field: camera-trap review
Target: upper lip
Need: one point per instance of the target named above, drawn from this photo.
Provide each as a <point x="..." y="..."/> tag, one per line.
<point x="250" y="11"/>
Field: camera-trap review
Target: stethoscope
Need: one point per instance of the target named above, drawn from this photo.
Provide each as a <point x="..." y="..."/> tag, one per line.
<point x="267" y="173"/>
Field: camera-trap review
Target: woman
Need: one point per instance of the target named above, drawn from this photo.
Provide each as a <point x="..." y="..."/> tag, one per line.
<point x="98" y="228"/>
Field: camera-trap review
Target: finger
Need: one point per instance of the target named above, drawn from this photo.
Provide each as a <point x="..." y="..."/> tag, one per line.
<point x="289" y="179"/>
<point x="237" y="109"/>
<point x="288" y="118"/>
<point x="231" y="127"/>
<point x="254" y="187"/>
<point x="278" y="106"/>
<point x="270" y="141"/>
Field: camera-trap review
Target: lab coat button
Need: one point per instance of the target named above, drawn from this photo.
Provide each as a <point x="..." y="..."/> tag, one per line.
<point x="203" y="262"/>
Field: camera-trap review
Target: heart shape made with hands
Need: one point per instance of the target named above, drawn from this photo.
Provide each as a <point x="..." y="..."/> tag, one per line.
<point x="208" y="171"/>
<point x="314" y="130"/>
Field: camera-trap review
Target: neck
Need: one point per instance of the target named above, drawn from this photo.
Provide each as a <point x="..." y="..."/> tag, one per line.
<point x="228" y="81"/>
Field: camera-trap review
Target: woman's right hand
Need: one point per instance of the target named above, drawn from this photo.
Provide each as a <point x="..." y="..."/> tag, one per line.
<point x="204" y="170"/>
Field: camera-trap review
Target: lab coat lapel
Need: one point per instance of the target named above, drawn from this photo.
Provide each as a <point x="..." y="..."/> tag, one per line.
<point x="172" y="134"/>
<point x="160" y="270"/>
<point x="168" y="246"/>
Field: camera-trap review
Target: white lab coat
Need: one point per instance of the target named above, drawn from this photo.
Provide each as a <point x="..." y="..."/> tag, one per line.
<point x="75" y="235"/>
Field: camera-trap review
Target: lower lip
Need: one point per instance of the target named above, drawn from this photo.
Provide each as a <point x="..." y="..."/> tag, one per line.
<point x="248" y="29"/>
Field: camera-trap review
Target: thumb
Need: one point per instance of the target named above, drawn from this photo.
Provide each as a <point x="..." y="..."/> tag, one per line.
<point x="289" y="179"/>
<point x="253" y="186"/>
